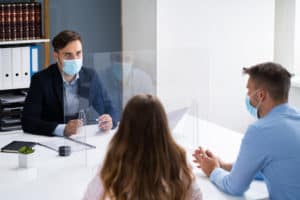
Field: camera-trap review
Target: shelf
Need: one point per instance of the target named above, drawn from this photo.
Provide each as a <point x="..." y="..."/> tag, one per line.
<point x="12" y="42"/>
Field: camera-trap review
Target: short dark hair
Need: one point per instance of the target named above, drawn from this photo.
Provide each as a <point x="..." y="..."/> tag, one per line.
<point x="271" y="76"/>
<point x="63" y="38"/>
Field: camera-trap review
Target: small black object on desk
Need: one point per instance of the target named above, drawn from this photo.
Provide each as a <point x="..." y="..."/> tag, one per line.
<point x="64" y="150"/>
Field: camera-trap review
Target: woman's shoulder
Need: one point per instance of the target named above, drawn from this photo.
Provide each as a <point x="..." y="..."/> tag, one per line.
<point x="195" y="192"/>
<point x="94" y="189"/>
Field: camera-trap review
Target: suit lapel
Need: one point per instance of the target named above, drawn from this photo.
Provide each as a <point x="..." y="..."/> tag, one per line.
<point x="58" y="85"/>
<point x="83" y="89"/>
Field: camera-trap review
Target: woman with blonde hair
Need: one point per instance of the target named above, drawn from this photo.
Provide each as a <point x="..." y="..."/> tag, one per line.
<point x="143" y="161"/>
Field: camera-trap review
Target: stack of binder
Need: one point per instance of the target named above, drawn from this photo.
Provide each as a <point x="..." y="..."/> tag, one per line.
<point x="11" y="107"/>
<point x="17" y="65"/>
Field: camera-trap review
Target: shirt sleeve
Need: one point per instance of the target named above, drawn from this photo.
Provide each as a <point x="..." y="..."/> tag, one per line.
<point x="59" y="130"/>
<point x="258" y="176"/>
<point x="250" y="161"/>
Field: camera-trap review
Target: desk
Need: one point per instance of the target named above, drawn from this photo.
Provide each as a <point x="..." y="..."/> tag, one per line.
<point x="67" y="177"/>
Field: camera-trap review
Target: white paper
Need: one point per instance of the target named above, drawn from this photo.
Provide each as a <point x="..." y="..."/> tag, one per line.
<point x="175" y="116"/>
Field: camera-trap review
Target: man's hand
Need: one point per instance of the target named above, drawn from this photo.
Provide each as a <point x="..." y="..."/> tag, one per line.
<point x="206" y="160"/>
<point x="72" y="126"/>
<point x="223" y="165"/>
<point x="105" y="122"/>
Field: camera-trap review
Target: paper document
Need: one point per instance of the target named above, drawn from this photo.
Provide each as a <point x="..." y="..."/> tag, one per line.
<point x="175" y="116"/>
<point x="75" y="144"/>
<point x="11" y="98"/>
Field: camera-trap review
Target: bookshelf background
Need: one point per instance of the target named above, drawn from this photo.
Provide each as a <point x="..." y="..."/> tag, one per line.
<point x="26" y="22"/>
<point x="24" y="48"/>
<point x="20" y="21"/>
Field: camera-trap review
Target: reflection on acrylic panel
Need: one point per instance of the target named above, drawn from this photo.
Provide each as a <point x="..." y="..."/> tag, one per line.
<point x="106" y="86"/>
<point x="122" y="77"/>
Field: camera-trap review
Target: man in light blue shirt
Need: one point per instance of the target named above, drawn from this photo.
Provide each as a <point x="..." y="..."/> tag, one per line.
<point x="71" y="102"/>
<point x="270" y="148"/>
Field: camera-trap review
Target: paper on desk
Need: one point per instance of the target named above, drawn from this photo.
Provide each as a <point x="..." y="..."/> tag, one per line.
<point x="175" y="116"/>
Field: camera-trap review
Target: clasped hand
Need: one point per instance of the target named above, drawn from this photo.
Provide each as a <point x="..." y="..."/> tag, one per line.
<point x="206" y="160"/>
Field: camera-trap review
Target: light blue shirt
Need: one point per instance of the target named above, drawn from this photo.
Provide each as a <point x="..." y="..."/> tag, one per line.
<point x="71" y="102"/>
<point x="270" y="147"/>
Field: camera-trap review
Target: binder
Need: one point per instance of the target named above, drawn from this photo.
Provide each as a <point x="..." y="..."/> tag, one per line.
<point x="25" y="68"/>
<point x="7" y="80"/>
<point x="17" y="65"/>
<point x="34" y="62"/>
<point x="16" y="68"/>
<point x="14" y="146"/>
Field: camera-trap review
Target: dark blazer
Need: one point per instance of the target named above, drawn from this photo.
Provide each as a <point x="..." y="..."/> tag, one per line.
<point x="44" y="107"/>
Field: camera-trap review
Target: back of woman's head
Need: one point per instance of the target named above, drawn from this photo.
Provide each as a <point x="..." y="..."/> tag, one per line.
<point x="143" y="160"/>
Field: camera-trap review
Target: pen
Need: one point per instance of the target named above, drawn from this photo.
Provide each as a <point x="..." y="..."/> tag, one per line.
<point x="80" y="142"/>
<point x="101" y="122"/>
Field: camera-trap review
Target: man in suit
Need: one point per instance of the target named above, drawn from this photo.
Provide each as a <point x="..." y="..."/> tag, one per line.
<point x="58" y="93"/>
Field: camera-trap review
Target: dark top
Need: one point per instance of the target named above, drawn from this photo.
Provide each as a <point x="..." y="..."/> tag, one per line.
<point x="44" y="107"/>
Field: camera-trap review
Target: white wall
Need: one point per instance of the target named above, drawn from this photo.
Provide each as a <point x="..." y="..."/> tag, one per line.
<point x="284" y="33"/>
<point x="196" y="50"/>
<point x="203" y="46"/>
<point x="294" y="98"/>
<point x="287" y="41"/>
<point x="139" y="33"/>
<point x="297" y="37"/>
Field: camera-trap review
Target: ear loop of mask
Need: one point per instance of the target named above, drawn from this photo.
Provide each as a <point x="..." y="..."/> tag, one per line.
<point x="253" y="107"/>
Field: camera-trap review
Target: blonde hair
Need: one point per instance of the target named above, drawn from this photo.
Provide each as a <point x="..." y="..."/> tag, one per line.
<point x="143" y="160"/>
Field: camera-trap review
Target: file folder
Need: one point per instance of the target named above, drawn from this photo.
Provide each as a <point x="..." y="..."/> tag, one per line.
<point x="25" y="69"/>
<point x="16" y="68"/>
<point x="6" y="75"/>
<point x="34" y="63"/>
<point x="17" y="65"/>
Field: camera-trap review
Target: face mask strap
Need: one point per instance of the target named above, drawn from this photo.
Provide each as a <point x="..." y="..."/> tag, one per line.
<point x="254" y="93"/>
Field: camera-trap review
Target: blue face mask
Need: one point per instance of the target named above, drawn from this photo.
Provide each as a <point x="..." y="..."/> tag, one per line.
<point x="251" y="109"/>
<point x="72" y="67"/>
<point x="117" y="67"/>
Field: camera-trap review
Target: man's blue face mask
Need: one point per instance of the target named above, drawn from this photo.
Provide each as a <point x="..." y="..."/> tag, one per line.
<point x="117" y="67"/>
<point x="72" y="67"/>
<point x="250" y="108"/>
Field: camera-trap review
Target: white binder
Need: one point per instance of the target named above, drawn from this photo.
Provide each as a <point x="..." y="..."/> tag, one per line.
<point x="25" y="69"/>
<point x="6" y="75"/>
<point x="16" y="67"/>
<point x="34" y="62"/>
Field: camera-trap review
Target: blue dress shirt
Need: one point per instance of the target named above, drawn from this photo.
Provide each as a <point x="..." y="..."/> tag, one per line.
<point x="270" y="147"/>
<point x="71" y="102"/>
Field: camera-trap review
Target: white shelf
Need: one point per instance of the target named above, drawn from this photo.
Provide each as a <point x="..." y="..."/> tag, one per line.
<point x="12" y="42"/>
